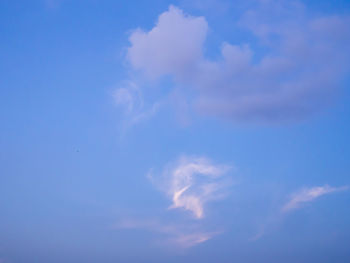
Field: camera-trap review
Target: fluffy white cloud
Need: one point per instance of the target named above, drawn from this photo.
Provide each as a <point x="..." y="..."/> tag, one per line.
<point x="192" y="182"/>
<point x="171" y="47"/>
<point x="304" y="61"/>
<point x="308" y="195"/>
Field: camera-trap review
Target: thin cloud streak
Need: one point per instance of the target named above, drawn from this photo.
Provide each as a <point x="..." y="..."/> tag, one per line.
<point x="175" y="235"/>
<point x="307" y="195"/>
<point x="296" y="201"/>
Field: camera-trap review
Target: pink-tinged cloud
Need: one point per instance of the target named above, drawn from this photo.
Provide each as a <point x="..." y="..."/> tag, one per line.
<point x="191" y="182"/>
<point x="307" y="195"/>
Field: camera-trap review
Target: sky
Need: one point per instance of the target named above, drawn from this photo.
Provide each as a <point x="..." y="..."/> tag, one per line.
<point x="174" y="131"/>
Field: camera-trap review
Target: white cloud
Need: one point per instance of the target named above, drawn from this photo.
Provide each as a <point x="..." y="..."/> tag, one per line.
<point x="171" y="47"/>
<point x="194" y="181"/>
<point x="190" y="182"/>
<point x="304" y="61"/>
<point x="308" y="195"/>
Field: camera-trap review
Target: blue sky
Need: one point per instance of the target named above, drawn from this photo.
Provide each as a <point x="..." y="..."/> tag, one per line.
<point x="174" y="131"/>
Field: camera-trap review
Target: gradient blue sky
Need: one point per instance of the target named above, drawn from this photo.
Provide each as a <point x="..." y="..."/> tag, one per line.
<point x="174" y="131"/>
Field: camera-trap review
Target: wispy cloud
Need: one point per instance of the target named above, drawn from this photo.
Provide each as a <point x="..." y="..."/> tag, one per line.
<point x="304" y="60"/>
<point x="175" y="234"/>
<point x="187" y="240"/>
<point x="308" y="195"/>
<point x="192" y="182"/>
<point x="189" y="182"/>
<point x="130" y="99"/>
<point x="296" y="201"/>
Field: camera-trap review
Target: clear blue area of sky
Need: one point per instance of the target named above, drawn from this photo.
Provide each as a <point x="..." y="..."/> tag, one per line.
<point x="66" y="174"/>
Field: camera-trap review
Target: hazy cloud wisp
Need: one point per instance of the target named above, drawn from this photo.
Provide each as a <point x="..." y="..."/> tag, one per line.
<point x="308" y="195"/>
<point x="130" y="99"/>
<point x="175" y="234"/>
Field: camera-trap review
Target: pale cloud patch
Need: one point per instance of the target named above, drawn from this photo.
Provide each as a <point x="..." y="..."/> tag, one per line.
<point x="174" y="234"/>
<point x="191" y="182"/>
<point x="258" y="235"/>
<point x="172" y="46"/>
<point x="307" y="195"/>
<point x="129" y="98"/>
<point x="187" y="240"/>
<point x="298" y="74"/>
<point x="125" y="98"/>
